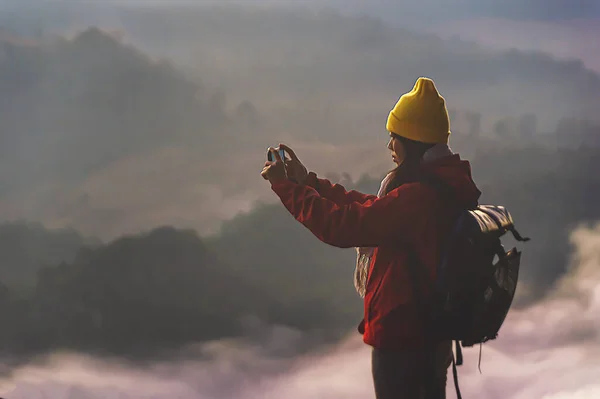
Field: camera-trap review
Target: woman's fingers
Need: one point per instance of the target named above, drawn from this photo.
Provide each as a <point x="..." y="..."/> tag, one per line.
<point x="264" y="172"/>
<point x="289" y="151"/>
<point x="275" y="154"/>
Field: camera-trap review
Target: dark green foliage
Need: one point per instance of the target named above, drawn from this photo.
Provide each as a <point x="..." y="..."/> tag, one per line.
<point x="311" y="281"/>
<point x="158" y="289"/>
<point x="25" y="248"/>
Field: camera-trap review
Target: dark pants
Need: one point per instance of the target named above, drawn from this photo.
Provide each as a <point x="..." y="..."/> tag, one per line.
<point x="411" y="373"/>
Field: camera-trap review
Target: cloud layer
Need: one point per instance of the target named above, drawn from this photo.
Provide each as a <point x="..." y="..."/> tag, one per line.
<point x="548" y="351"/>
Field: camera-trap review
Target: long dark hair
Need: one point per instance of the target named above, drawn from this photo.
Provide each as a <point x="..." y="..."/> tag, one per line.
<point x="408" y="170"/>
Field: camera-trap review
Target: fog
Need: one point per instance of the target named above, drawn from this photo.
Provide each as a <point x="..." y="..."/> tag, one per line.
<point x="185" y="99"/>
<point x="121" y="117"/>
<point x="549" y="350"/>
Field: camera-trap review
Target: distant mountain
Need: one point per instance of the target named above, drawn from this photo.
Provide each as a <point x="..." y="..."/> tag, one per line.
<point x="72" y="106"/>
<point x="102" y="134"/>
<point x="341" y="73"/>
<point x="314" y="65"/>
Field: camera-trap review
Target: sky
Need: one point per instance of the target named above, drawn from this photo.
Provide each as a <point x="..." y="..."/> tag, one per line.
<point x="427" y="11"/>
<point x="546" y="10"/>
<point x="565" y="28"/>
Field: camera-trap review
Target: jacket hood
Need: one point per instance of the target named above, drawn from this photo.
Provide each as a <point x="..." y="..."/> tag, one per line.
<point x="457" y="174"/>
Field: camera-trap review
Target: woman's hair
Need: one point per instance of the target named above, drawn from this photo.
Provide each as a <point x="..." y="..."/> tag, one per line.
<point x="408" y="170"/>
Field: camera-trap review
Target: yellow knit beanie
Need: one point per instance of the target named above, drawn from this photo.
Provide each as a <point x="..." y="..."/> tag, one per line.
<point x="421" y="115"/>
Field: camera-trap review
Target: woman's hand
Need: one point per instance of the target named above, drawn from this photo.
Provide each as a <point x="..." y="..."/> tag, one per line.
<point x="274" y="171"/>
<point x="295" y="169"/>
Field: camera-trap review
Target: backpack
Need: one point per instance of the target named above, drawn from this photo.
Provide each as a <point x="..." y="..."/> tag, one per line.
<point x="476" y="277"/>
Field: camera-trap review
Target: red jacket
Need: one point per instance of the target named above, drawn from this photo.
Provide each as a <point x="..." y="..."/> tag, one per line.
<point x="412" y="216"/>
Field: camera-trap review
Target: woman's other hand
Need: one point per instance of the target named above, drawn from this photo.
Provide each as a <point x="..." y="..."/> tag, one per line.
<point x="295" y="169"/>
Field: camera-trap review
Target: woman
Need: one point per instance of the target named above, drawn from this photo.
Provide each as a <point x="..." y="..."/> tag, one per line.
<point x="406" y="223"/>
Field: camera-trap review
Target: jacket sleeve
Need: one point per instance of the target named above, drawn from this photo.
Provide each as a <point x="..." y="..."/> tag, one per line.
<point x="336" y="192"/>
<point x="372" y="223"/>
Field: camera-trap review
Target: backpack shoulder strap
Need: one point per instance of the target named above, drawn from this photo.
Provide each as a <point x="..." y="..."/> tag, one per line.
<point x="449" y="194"/>
<point x="417" y="273"/>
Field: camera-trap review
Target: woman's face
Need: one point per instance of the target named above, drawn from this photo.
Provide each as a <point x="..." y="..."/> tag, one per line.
<point x="397" y="149"/>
